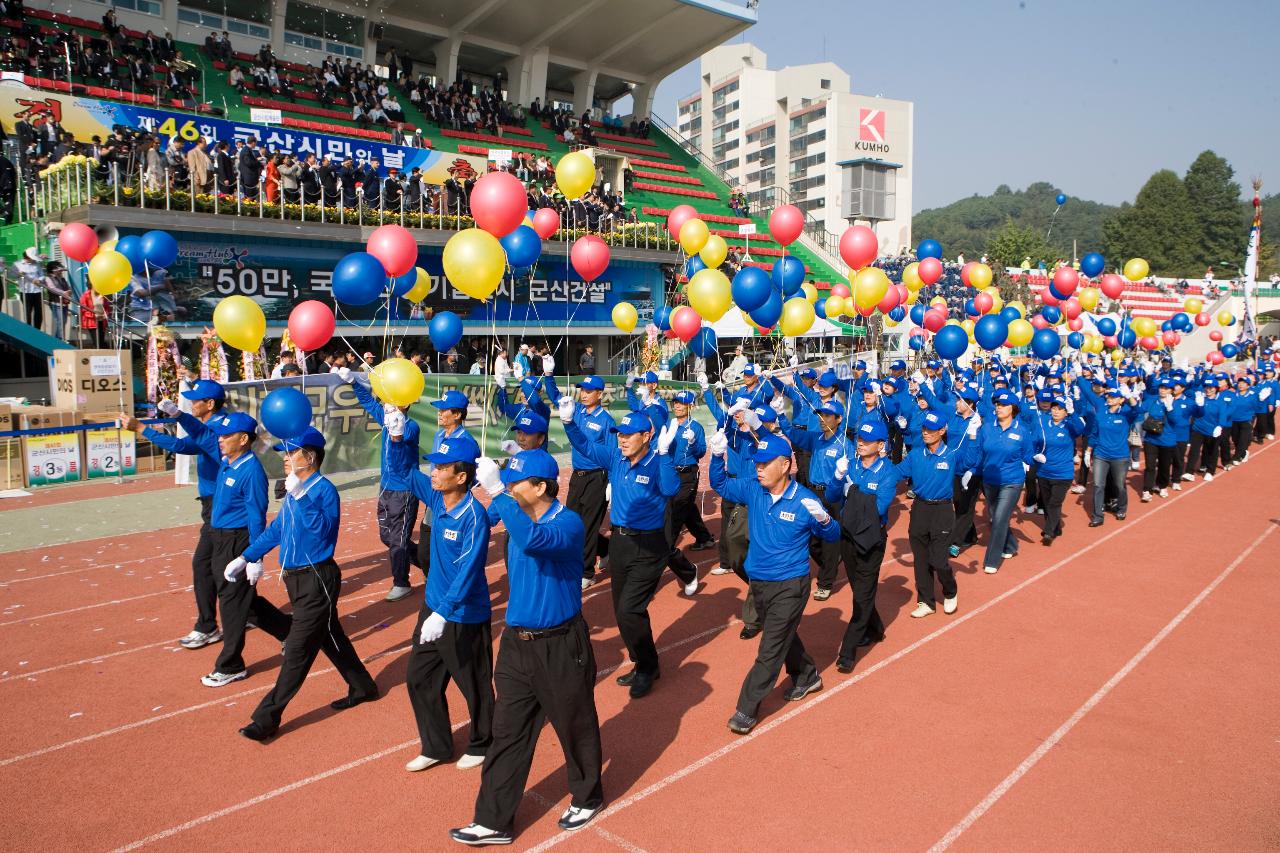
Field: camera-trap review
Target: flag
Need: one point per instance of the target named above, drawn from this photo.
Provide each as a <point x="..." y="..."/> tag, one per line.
<point x="1248" y="326"/>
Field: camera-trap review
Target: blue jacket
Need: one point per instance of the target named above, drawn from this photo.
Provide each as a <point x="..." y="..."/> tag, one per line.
<point x="306" y="528"/>
<point x="655" y="408"/>
<point x="1111" y="430"/>
<point x="200" y="442"/>
<point x="1154" y="408"/>
<point x="456" y="585"/>
<point x="1057" y="442"/>
<point x="544" y="563"/>
<point x="1244" y="406"/>
<point x="880" y="479"/>
<point x="595" y="426"/>
<point x="640" y="491"/>
<point x="399" y="458"/>
<point x="825" y="451"/>
<point x="931" y="473"/>
<point x="1002" y="452"/>
<point x="1179" y="417"/>
<point x="1210" y="416"/>
<point x="690" y="444"/>
<point x="240" y="499"/>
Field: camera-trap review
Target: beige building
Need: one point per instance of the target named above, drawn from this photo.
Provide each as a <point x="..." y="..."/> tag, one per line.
<point x="838" y="156"/>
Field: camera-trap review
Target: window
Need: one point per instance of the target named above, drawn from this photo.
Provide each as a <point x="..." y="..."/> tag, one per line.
<point x="802" y="164"/>
<point x="726" y="165"/>
<point x="824" y="84"/>
<point x="340" y="30"/>
<point x="250" y="11"/>
<point x="764" y="177"/>
<point x="799" y="143"/>
<point x="146" y="7"/>
<point x="719" y="96"/>
<point x="801" y="122"/>
<point x="719" y="114"/>
<point x="811" y="204"/>
<point x="806" y="184"/>
<point x="764" y="156"/>
<point x="870" y="191"/>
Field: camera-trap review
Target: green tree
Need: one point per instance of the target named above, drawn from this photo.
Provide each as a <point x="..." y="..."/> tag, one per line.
<point x="1221" y="232"/>
<point x="1014" y="242"/>
<point x="1160" y="226"/>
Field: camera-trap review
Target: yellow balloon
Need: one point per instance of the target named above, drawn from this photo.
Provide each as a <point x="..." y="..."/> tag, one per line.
<point x="240" y="322"/>
<point x="980" y="276"/>
<point x="1020" y="331"/>
<point x="1226" y="318"/>
<point x="797" y="316"/>
<point x="710" y="294"/>
<point x="109" y="272"/>
<point x="397" y="381"/>
<point x="625" y="316"/>
<point x="421" y="286"/>
<point x="996" y="302"/>
<point x="889" y="322"/>
<point x="869" y="286"/>
<point x="575" y="173"/>
<point x="1136" y="269"/>
<point x="694" y="235"/>
<point x="911" y="276"/>
<point x="474" y="262"/>
<point x="1193" y="305"/>
<point x="107" y="246"/>
<point x="834" y="307"/>
<point x="912" y="296"/>
<point x="1143" y="327"/>
<point x="1088" y="297"/>
<point x="1117" y="355"/>
<point x="714" y="252"/>
<point x="810" y="292"/>
<point x="1021" y="309"/>
<point x="938" y="302"/>
<point x="968" y="325"/>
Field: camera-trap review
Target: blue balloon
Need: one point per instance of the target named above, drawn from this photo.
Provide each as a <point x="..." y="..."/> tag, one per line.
<point x="767" y="314"/>
<point x="1166" y="326"/>
<point x="1061" y="199"/>
<point x="929" y="249"/>
<point x="1106" y="327"/>
<point x="285" y="412"/>
<point x="400" y="285"/>
<point x="662" y="318"/>
<point x="788" y="274"/>
<point x="131" y="248"/>
<point x="1230" y="350"/>
<point x="693" y="266"/>
<point x="1075" y="340"/>
<point x="704" y="343"/>
<point x="1045" y="343"/>
<point x="1053" y="290"/>
<point x="751" y="288"/>
<point x="1009" y="314"/>
<point x="159" y="248"/>
<point x="896" y="314"/>
<point x="820" y="308"/>
<point x="916" y="342"/>
<point x="523" y="247"/>
<point x="917" y="313"/>
<point x="1051" y="314"/>
<point x="1181" y="322"/>
<point x="1127" y="338"/>
<point x="970" y="309"/>
<point x="991" y="331"/>
<point x="951" y="342"/>
<point x="358" y="279"/>
<point x="445" y="330"/>
<point x="1092" y="264"/>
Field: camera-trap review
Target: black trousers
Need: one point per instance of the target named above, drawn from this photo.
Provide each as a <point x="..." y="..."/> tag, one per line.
<point x="206" y="590"/>
<point x="676" y="560"/>
<point x="826" y="555"/>
<point x="397" y="516"/>
<point x="685" y="513"/>
<point x="1224" y="447"/>
<point x="586" y="498"/>
<point x="1030" y="488"/>
<point x="1179" y="461"/>
<point x="1052" y="495"/>
<point x="1157" y="466"/>
<point x="803" y="459"/>
<point x="424" y="543"/>
<point x="964" y="503"/>
<point x="1263" y="425"/>
<point x="1202" y="453"/>
<point x="781" y="605"/>
<point x="1241" y="437"/>
<point x="895" y="443"/>
<point x="240" y="602"/>
<point x="463" y="654"/>
<point x="863" y="570"/>
<point x="734" y="540"/>
<point x="313" y="591"/>
<point x="930" y="535"/>
<point x="637" y="561"/>
<point x="1082" y="475"/>
<point x="548" y="679"/>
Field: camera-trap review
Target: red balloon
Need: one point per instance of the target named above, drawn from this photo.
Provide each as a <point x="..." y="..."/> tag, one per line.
<point x="1203" y="319"/>
<point x="685" y="322"/>
<point x="311" y="325"/>
<point x="546" y="222"/>
<point x="916" y="332"/>
<point x="964" y="272"/>
<point x="1047" y="297"/>
<point x="395" y="247"/>
<point x="982" y="302"/>
<point x="1215" y="335"/>
<point x="1071" y="308"/>
<point x="891" y="300"/>
<point x="786" y="223"/>
<point x="903" y="293"/>
<point x="930" y="270"/>
<point x="841" y="290"/>
<point x="669" y="334"/>
<point x="1065" y="280"/>
<point x="935" y="319"/>
<point x="679" y="215"/>
<point x="590" y="256"/>
<point x="78" y="241"/>
<point x="1111" y="285"/>
<point x="859" y="247"/>
<point x="865" y="312"/>
<point x="1170" y="338"/>
<point x="499" y="203"/>
<point x="1110" y="340"/>
<point x="1215" y="357"/>
<point x="1039" y="322"/>
<point x="1148" y="343"/>
<point x="1075" y="324"/>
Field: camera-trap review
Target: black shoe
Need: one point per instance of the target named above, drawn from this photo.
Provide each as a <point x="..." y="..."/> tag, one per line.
<point x="741" y="724"/>
<point x="1120" y="516"/>
<point x="1096" y="522"/>
<point x="748" y="632"/>
<point x="1046" y="540"/>
<point x="254" y="731"/>
<point x="703" y="546"/>
<point x="642" y="683"/>
<point x="845" y="665"/>
<point x="628" y="678"/>
<point x="351" y="700"/>
<point x="795" y="694"/>
<point x="868" y="639"/>
<point x="478" y="836"/>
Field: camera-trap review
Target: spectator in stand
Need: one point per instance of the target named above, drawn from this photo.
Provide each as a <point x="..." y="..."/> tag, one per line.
<point x="249" y="168"/>
<point x="235" y="78"/>
<point x="587" y="361"/>
<point x="30" y="278"/>
<point x="93" y="318"/>
<point x="60" y="296"/>
<point x="289" y="171"/>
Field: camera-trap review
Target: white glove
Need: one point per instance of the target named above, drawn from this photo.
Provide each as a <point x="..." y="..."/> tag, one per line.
<point x="488" y="476"/>
<point x="253" y="573"/>
<point x="702" y="381"/>
<point x="608" y="492"/>
<point x="902" y="422"/>
<point x="816" y="509"/>
<point x="778" y="403"/>
<point x="964" y="480"/>
<point x="1199" y="398"/>
<point x="1025" y="467"/>
<point x="1039" y="458"/>
<point x="632" y="380"/>
<point x="975" y="423"/>
<point x="741" y="405"/>
<point x="1217" y="431"/>
<point x="509" y="447"/>
<point x="566" y="407"/>
<point x="831" y="361"/>
<point x="917" y="378"/>
<point x="432" y="629"/>
<point x="1071" y="407"/>
<point x="719" y="386"/>
<point x="1088" y="456"/>
<point x="1167" y="402"/>
<point x="643" y="393"/>
<point x="394" y="422"/>
<point x="234" y="568"/>
<point x="667" y="437"/>
<point x="291" y="482"/>
<point x="751" y="419"/>
<point x="344" y="373"/>
<point x="1039" y="383"/>
<point x="719" y="443"/>
<point x="874" y="388"/>
<point x="1264" y="393"/>
<point x="842" y="468"/>
<point x="168" y="407"/>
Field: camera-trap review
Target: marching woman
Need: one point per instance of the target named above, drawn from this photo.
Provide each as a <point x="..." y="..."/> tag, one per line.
<point x="306" y="531"/>
<point x="1179" y="418"/>
<point x="1158" y="440"/>
<point x="824" y="448"/>
<point x="1114" y="417"/>
<point x="1243" y="409"/>
<point x="1004" y="450"/>
<point x="1059" y="429"/>
<point x="1206" y="427"/>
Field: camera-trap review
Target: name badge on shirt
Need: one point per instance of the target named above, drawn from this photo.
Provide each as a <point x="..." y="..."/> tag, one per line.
<point x="1013" y="436"/>
<point x="943" y="466"/>
<point x="871" y="485"/>
<point x="787" y="516"/>
<point x="231" y="481"/>
<point x="688" y="435"/>
<point x="594" y="426"/>
<point x="642" y="479"/>
<point x="833" y="452"/>
<point x="451" y="535"/>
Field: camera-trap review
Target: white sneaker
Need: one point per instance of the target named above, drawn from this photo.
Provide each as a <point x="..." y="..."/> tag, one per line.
<point x="1077" y="490"/>
<point x="587" y="583"/>
<point x="1164" y="493"/>
<point x="721" y="570"/>
<point x="692" y="586"/>
<point x="1146" y="497"/>
<point x="1208" y="478"/>
<point x="398" y="592"/>
<point x="1177" y="487"/>
<point x="991" y="570"/>
<point x="1030" y="510"/>
<point x="575" y="818"/>
<point x="1189" y="477"/>
<point x="949" y="605"/>
<point x="1040" y="511"/>
<point x="1008" y="556"/>
<point x="921" y="611"/>
<point x="1133" y="466"/>
<point x="222" y="679"/>
<point x="199" y="639"/>
<point x="421" y="763"/>
<point x="466" y="762"/>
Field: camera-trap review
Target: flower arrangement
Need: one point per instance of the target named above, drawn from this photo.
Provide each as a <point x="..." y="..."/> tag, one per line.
<point x="213" y="358"/>
<point x="162" y="364"/>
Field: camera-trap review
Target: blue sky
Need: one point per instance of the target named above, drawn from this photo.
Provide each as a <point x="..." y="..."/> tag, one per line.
<point x="1091" y="96"/>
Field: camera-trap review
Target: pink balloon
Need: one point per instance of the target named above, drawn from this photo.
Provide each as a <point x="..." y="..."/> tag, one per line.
<point x="1065" y="280"/>
<point x="1148" y="343"/>
<point x="1202" y="319"/>
<point x="1039" y="322"/>
<point x="1075" y="324"/>
<point x="934" y="319"/>
<point x="546" y="222"/>
<point x="78" y="241"/>
<point x="916" y="332"/>
<point x="1170" y="338"/>
<point x="859" y="246"/>
<point x="590" y="257"/>
<point x="311" y="325"/>
<point x="786" y="223"/>
<point x="903" y="293"/>
<point x="930" y="270"/>
<point x="679" y="215"/>
<point x="964" y="272"/>
<point x="1110" y="340"/>
<point x="1215" y="335"/>
<point x="499" y="203"/>
<point x="685" y="322"/>
<point x="395" y="247"/>
<point x="1071" y="308"/>
<point x="1111" y="285"/>
<point x="841" y="290"/>
<point x="1047" y="297"/>
<point x="983" y="302"/>
<point x="890" y="301"/>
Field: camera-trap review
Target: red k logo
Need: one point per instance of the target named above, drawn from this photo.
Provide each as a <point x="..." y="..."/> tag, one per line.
<point x="871" y="125"/>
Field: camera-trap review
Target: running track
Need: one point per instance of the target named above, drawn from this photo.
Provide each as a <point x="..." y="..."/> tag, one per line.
<point x="1114" y="692"/>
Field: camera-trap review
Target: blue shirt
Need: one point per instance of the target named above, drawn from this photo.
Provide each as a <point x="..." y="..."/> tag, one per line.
<point x="514" y="410"/>
<point x="1002" y="452"/>
<point x="1058" y="444"/>
<point x="306" y="528"/>
<point x="544" y="563"/>
<point x="640" y="491"/>
<point x="1179" y="417"/>
<point x="200" y="442"/>
<point x="880" y="479"/>
<point x="240" y="499"/>
<point x="825" y="451"/>
<point x="931" y="473"/>
<point x="1154" y="408"/>
<point x="779" y="528"/>
<point x="456" y="585"/>
<point x="1244" y="406"/>
<point x="595" y="426"/>
<point x="399" y="458"/>
<point x="690" y="444"/>
<point x="655" y="408"/>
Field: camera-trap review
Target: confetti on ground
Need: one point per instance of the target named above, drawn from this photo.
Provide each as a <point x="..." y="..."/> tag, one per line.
<point x="75" y="714"/>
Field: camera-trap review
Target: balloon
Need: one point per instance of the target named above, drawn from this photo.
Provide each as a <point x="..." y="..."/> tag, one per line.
<point x="1111" y="285"/>
<point x="1045" y="343"/>
<point x="1106" y="327"/>
<point x="679" y="215"/>
<point x="1048" y="297"/>
<point x="1040" y="322"/>
<point x="1170" y="338"/>
<point x="685" y="322"/>
<point x="842" y="290"/>
<point x="522" y="245"/>
<point x="1178" y="322"/>
<point x="693" y="236"/>
<point x="693" y="266"/>
<point x="1021" y="333"/>
<point x="890" y="300"/>
<point x="704" y="343"/>
<point x="1192" y="305"/>
<point x="929" y="249"/>
<point x="1136" y="269"/>
<point x="786" y="224"/>
<point x="1109" y="341"/>
<point x="797" y="316"/>
<point x="625" y="317"/>
<point x="820" y="309"/>
<point x="240" y="322"/>
<point x="911" y="276"/>
<point x="402" y="284"/>
<point x="662" y="318"/>
<point x="710" y="294"/>
<point x="78" y="241"/>
<point x="1226" y="318"/>
<point x="916" y="342"/>
<point x="1143" y="327"/>
<point x="810" y="292"/>
<point x="1009" y="314"/>
<point x="1071" y="308"/>
<point x="358" y="279"/>
<point x="395" y="247"/>
<point x="934" y="319"/>
<point x="445" y="330"/>
<point x="833" y="307"/>
<point x="1230" y="351"/>
<point x="1065" y="280"/>
<point x="1126" y="339"/>
<point x="1075" y="340"/>
<point x="1075" y="324"/>
<point x="474" y="262"/>
<point x="1061" y="199"/>
<point x="1202" y="319"/>
<point x="991" y="332"/>
<point x="982" y="303"/>
<point x="131" y="248"/>
<point x="107" y="246"/>
<point x="575" y="173"/>
<point x="1050" y="314"/>
<point x="951" y="342"/>
<point x="964" y="272"/>
<point x="398" y="381"/>
<point x="159" y="248"/>
<point x="917" y="314"/>
<point x="590" y="256"/>
<point x="1215" y="357"/>
<point x="788" y="274"/>
<point x="421" y="286"/>
<point x="870" y="285"/>
<point x="714" y="252"/>
<point x="859" y="246"/>
<point x="499" y="203"/>
<point x="767" y="314"/>
<point x="1215" y="335"/>
<point x="930" y="270"/>
<point x="311" y="325"/>
<point x="751" y="288"/>
<point x="546" y="222"/>
<point x="109" y="272"/>
<point x="980" y="276"/>
<point x="1091" y="264"/>
<point x="285" y="412"/>
<point x="1088" y="298"/>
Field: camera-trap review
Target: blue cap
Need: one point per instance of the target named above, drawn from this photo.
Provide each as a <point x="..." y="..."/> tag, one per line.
<point x="460" y="448"/>
<point x="1113" y="391"/>
<point x="828" y="379"/>
<point x="451" y="400"/>
<point x="897" y="364"/>
<point x="770" y="447"/>
<point x="686" y="397"/>
<point x="873" y="431"/>
<point x="530" y="463"/>
<point x="749" y="370"/>
<point x="1060" y="402"/>
<point x="891" y="384"/>
<point x="968" y="393"/>
<point x="859" y="365"/>
<point x="808" y="373"/>
<point x="311" y="437"/>
<point x="1004" y="398"/>
<point x="592" y="383"/>
<point x="633" y="423"/>
<point x="650" y="377"/>
<point x="766" y="414"/>
<point x="1045" y="396"/>
<point x="966" y="373"/>
<point x="205" y="389"/>
<point x="233" y="422"/>
<point x="933" y="420"/>
<point x="933" y="364"/>
<point x="531" y="423"/>
<point x="831" y="407"/>
<point x="1209" y="383"/>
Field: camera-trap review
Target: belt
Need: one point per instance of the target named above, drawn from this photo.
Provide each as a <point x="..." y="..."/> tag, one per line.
<point x="540" y="633"/>
<point x="584" y="472"/>
<point x="683" y="468"/>
<point x="631" y="531"/>
<point x="938" y="501"/>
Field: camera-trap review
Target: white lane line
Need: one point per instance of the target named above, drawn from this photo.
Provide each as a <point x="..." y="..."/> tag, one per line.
<point x="113" y="601"/>
<point x="1092" y="702"/>
<point x="25" y="675"/>
<point x="4" y="583"/>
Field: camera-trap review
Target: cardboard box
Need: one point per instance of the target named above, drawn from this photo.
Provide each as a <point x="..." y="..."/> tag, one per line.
<point x="93" y="380"/>
<point x="55" y="457"/>
<point x="6" y="417"/>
